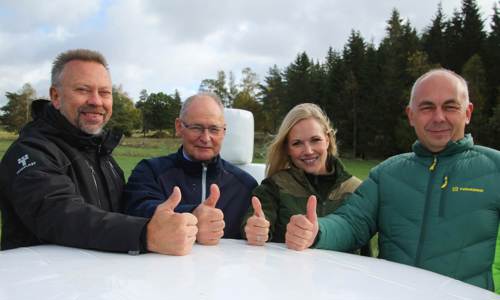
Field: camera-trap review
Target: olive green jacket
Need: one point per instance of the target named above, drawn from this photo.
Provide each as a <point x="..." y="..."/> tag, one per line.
<point x="285" y="194"/>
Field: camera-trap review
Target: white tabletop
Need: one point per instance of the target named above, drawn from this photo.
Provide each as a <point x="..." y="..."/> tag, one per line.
<point x="231" y="270"/>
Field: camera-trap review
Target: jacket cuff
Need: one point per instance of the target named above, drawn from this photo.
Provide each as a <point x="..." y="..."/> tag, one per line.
<point x="143" y="240"/>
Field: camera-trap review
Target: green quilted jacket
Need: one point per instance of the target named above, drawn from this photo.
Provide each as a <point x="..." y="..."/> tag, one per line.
<point x="285" y="194"/>
<point x="439" y="212"/>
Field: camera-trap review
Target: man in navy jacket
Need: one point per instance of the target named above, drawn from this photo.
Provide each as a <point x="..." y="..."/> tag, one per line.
<point x="215" y="191"/>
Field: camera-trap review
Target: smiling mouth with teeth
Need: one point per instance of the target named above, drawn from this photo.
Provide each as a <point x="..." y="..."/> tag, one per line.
<point x="92" y="112"/>
<point x="309" y="160"/>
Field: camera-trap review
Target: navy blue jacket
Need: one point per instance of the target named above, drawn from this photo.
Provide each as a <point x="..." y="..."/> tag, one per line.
<point x="153" y="180"/>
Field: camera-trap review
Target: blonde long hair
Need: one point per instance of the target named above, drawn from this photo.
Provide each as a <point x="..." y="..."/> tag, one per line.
<point x="277" y="156"/>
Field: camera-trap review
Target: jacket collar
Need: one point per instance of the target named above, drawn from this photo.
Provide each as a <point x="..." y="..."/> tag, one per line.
<point x="337" y="171"/>
<point x="58" y="125"/>
<point x="453" y="147"/>
<point x="196" y="167"/>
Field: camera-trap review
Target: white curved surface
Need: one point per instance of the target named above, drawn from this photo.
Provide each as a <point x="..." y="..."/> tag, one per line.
<point x="231" y="270"/>
<point x="238" y="141"/>
<point x="237" y="147"/>
<point x="258" y="171"/>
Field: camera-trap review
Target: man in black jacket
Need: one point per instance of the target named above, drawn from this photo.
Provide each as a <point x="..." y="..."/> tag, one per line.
<point x="59" y="183"/>
<point x="215" y="191"/>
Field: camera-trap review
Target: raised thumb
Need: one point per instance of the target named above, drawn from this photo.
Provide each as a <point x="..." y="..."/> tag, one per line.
<point x="213" y="197"/>
<point x="173" y="200"/>
<point x="257" y="207"/>
<point x="311" y="209"/>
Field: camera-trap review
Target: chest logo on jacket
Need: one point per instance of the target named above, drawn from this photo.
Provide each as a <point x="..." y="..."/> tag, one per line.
<point x="467" y="189"/>
<point x="23" y="162"/>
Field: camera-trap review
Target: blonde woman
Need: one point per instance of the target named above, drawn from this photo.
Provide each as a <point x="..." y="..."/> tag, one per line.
<point x="302" y="169"/>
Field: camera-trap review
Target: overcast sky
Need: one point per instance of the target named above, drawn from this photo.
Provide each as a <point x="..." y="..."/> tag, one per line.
<point x="163" y="45"/>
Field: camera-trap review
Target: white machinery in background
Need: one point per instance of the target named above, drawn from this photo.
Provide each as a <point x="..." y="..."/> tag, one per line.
<point x="238" y="143"/>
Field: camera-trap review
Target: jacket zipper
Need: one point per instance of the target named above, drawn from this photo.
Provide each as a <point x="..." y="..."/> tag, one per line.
<point x="112" y="169"/>
<point x="444" y="185"/>
<point x="323" y="201"/>
<point x="423" y="227"/>
<point x="204" y="183"/>
<point x="92" y="171"/>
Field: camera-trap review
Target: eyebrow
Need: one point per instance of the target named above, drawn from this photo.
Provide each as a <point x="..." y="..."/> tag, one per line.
<point x="430" y="103"/>
<point x="311" y="137"/>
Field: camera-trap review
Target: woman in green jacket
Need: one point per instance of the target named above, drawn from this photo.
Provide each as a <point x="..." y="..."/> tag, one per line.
<point x="302" y="164"/>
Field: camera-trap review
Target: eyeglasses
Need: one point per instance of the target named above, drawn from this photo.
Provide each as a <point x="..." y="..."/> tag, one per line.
<point x="197" y="129"/>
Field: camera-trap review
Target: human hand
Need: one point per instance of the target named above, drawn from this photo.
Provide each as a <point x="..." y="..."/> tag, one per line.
<point x="169" y="232"/>
<point x="302" y="230"/>
<point x="210" y="219"/>
<point x="257" y="227"/>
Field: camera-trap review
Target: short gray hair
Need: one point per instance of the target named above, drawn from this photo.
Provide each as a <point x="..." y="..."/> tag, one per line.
<point x="189" y="100"/>
<point x="75" y="54"/>
<point x="462" y="88"/>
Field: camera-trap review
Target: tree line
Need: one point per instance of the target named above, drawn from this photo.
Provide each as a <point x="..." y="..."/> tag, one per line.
<point x="363" y="87"/>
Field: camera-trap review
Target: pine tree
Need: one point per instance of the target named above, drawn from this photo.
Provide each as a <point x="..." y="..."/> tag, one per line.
<point x="473" y="34"/>
<point x="491" y="58"/>
<point x="474" y="74"/>
<point x="272" y="93"/>
<point x="400" y="43"/>
<point x="453" y="36"/>
<point x="433" y="38"/>
<point x="354" y="60"/>
<point x="297" y="81"/>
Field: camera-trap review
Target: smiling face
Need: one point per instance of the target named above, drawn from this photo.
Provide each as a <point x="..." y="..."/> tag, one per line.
<point x="84" y="95"/>
<point x="199" y="141"/>
<point x="439" y="112"/>
<point x="307" y="146"/>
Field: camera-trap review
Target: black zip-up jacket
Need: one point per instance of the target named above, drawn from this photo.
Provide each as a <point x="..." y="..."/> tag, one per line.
<point x="153" y="180"/>
<point x="60" y="185"/>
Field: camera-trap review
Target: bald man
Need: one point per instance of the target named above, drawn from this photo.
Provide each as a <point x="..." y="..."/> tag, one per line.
<point x="436" y="208"/>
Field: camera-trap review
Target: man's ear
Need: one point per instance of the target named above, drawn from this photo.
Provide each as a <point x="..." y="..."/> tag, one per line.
<point x="55" y="98"/>
<point x="468" y="112"/>
<point x="178" y="127"/>
<point x="409" y="114"/>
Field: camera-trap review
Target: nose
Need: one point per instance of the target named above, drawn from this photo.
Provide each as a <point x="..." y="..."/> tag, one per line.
<point x="308" y="148"/>
<point x="205" y="136"/>
<point x="94" y="99"/>
<point x="439" y="115"/>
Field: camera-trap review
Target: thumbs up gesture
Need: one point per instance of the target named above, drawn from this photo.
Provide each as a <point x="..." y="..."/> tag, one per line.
<point x="302" y="230"/>
<point x="210" y="219"/>
<point x="257" y="227"/>
<point x="169" y="232"/>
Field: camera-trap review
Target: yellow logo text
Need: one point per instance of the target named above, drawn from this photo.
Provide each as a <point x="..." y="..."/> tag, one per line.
<point x="466" y="189"/>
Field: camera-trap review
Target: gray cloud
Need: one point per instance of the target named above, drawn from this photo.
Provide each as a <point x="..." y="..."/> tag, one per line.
<point x="167" y="45"/>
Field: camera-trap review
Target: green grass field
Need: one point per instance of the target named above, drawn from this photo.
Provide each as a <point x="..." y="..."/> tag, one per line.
<point x="133" y="149"/>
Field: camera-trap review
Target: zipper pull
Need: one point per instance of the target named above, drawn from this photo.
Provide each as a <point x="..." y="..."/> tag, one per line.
<point x="445" y="182"/>
<point x="432" y="167"/>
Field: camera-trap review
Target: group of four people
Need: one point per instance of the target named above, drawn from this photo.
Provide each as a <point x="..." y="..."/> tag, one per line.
<point x="437" y="207"/>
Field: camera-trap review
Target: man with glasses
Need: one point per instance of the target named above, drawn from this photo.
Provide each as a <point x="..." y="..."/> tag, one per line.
<point x="216" y="192"/>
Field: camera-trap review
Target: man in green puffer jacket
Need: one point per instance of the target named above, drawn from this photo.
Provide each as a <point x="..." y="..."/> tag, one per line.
<point x="436" y="208"/>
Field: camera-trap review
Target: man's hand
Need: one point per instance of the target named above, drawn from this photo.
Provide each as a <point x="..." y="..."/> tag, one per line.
<point x="169" y="232"/>
<point x="257" y="227"/>
<point x="210" y="219"/>
<point x="302" y="230"/>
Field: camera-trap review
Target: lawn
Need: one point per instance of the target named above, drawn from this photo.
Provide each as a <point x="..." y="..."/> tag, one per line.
<point x="132" y="150"/>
